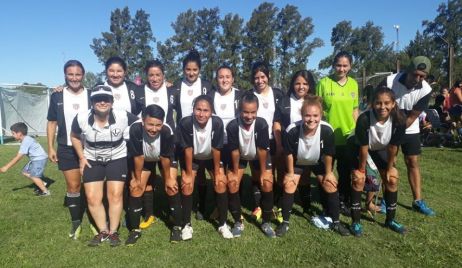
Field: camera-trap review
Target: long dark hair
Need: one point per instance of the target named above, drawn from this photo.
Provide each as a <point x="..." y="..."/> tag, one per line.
<point x="308" y="76"/>
<point x="396" y="115"/>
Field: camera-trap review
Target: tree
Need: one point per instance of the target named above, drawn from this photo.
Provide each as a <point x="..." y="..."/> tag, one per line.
<point x="292" y="46"/>
<point x="90" y="79"/>
<point x="231" y="44"/>
<point x="128" y="38"/>
<point x="259" y="36"/>
<point x="167" y="53"/>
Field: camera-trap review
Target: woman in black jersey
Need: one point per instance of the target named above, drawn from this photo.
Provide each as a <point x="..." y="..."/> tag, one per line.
<point x="97" y="137"/>
<point x="64" y="106"/>
<point x="379" y="132"/>
<point x="124" y="91"/>
<point x="155" y="92"/>
<point x="185" y="91"/>
<point x="151" y="142"/>
<point x="201" y="139"/>
<point x="268" y="98"/>
<point x="309" y="146"/>
<point x="287" y="112"/>
<point x="248" y="141"/>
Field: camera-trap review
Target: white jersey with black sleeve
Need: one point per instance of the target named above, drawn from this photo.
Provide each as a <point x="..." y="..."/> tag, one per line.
<point x="308" y="151"/>
<point x="202" y="140"/>
<point x="106" y="143"/>
<point x="248" y="140"/>
<point x="152" y="148"/>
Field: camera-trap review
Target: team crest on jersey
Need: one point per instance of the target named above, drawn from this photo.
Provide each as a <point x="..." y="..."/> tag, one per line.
<point x="353" y="95"/>
<point x="116" y="132"/>
<point x="190" y="92"/>
<point x="202" y="139"/>
<point x="117" y="96"/>
<point x="265" y="105"/>
<point x="76" y="106"/>
<point x="155" y="99"/>
<point x="246" y="141"/>
<point x="223" y="106"/>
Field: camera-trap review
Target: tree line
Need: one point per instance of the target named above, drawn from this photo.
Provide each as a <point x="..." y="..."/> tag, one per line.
<point x="283" y="38"/>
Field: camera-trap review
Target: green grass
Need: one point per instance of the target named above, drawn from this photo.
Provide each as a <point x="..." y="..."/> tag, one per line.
<point x="33" y="231"/>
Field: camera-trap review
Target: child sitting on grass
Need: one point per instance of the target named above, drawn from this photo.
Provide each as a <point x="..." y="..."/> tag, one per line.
<point x="37" y="156"/>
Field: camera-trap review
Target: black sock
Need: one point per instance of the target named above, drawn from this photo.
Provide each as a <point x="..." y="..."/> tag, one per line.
<point x="305" y="196"/>
<point x="333" y="206"/>
<point x="323" y="199"/>
<point x="391" y="198"/>
<point x="174" y="203"/>
<point x="356" y="206"/>
<point x="267" y="205"/>
<point x="277" y="193"/>
<point x="222" y="205"/>
<point x="148" y="204"/>
<point x="202" y="191"/>
<point x="234" y="203"/>
<point x="287" y="203"/>
<point x="186" y="203"/>
<point x="257" y="195"/>
<point x="73" y="203"/>
<point x="135" y="206"/>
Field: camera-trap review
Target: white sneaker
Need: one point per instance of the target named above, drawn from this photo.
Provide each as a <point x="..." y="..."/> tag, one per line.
<point x="186" y="232"/>
<point x="225" y="231"/>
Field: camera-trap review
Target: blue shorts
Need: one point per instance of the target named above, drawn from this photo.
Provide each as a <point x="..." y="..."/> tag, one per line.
<point x="35" y="168"/>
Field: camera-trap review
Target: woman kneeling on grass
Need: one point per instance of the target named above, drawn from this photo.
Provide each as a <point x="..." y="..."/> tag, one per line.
<point x="201" y="139"/>
<point x="309" y="145"/>
<point x="151" y="141"/>
<point x="379" y="131"/>
<point x="102" y="156"/>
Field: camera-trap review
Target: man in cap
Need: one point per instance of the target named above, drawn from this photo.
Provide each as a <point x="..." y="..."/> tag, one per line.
<point x="412" y="94"/>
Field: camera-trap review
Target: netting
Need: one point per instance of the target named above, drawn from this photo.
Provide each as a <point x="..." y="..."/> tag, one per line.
<point x="23" y="103"/>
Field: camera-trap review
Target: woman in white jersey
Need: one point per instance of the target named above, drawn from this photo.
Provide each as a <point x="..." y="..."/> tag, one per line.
<point x="379" y="132"/>
<point x="309" y="147"/>
<point x="186" y="90"/>
<point x="268" y="98"/>
<point x="287" y="112"/>
<point x="155" y="92"/>
<point x="64" y="106"/>
<point x="125" y="92"/>
<point x="201" y="139"/>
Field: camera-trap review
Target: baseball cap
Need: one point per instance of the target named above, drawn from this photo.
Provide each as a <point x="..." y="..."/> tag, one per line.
<point x="101" y="92"/>
<point x="420" y="63"/>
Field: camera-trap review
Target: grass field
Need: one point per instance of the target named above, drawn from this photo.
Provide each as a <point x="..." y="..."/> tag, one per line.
<point x="33" y="231"/>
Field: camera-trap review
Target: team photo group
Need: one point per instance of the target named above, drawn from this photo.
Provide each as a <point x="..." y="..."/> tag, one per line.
<point x="112" y="140"/>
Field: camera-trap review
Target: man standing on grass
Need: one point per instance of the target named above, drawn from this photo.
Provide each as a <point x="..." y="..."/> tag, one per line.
<point x="412" y="95"/>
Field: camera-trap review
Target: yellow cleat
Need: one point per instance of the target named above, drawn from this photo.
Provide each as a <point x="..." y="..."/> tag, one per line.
<point x="256" y="213"/>
<point x="147" y="223"/>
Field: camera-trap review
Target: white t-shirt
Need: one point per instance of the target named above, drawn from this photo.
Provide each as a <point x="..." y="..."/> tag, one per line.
<point x="379" y="134"/>
<point x="73" y="104"/>
<point x="295" y="108"/>
<point x="158" y="97"/>
<point x="202" y="138"/>
<point x="266" y="109"/>
<point x="247" y="146"/>
<point x="224" y="108"/>
<point x="121" y="98"/>
<point x="188" y="93"/>
<point x="308" y="148"/>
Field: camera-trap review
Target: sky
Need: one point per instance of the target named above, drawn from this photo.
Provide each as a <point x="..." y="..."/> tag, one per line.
<point x="38" y="37"/>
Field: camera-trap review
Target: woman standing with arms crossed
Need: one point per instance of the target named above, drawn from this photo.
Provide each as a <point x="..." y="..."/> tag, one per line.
<point x="339" y="93"/>
<point x="64" y="106"/>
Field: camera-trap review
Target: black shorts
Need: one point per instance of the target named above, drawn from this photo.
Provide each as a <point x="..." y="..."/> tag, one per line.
<point x="272" y="150"/>
<point x="411" y="144"/>
<point x="67" y="158"/>
<point x="197" y="164"/>
<point x="113" y="170"/>
<point x="255" y="164"/>
<point x="318" y="169"/>
<point x="225" y="155"/>
<point x="380" y="158"/>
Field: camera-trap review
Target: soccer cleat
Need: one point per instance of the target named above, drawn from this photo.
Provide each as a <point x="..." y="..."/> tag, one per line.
<point x="114" y="239"/>
<point x="421" y="206"/>
<point x="75" y="232"/>
<point x="175" y="234"/>
<point x="186" y="232"/>
<point x="395" y="226"/>
<point x="282" y="229"/>
<point x="147" y="222"/>
<point x="268" y="230"/>
<point x="345" y="210"/>
<point x="383" y="207"/>
<point x="199" y="216"/>
<point x="133" y="236"/>
<point x="225" y="231"/>
<point x="356" y="229"/>
<point x="256" y="214"/>
<point x="339" y="228"/>
<point x="42" y="193"/>
<point x="277" y="214"/>
<point x="98" y="239"/>
<point x="93" y="229"/>
<point x="237" y="229"/>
